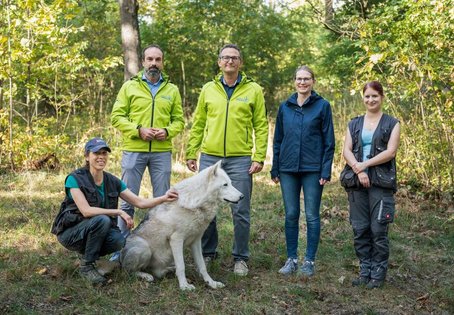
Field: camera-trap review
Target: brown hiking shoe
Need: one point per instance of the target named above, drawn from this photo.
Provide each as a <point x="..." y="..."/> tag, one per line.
<point x="89" y="272"/>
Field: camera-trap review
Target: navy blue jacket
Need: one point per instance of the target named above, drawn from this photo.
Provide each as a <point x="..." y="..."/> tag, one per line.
<point x="304" y="137"/>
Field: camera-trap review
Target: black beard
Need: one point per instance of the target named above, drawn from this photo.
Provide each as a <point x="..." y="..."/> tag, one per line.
<point x="153" y="72"/>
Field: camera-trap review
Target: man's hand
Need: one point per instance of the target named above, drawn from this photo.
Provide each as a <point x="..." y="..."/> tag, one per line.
<point x="255" y="167"/>
<point x="146" y="134"/>
<point x="192" y="165"/>
<point x="159" y="134"/>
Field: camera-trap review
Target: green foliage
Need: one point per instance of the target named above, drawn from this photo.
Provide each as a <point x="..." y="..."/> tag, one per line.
<point x="192" y="32"/>
<point x="63" y="60"/>
<point x="58" y="65"/>
<point x="409" y="47"/>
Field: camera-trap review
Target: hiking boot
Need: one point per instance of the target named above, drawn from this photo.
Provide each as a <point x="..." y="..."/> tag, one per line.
<point x="308" y="268"/>
<point x="291" y="266"/>
<point x="240" y="268"/>
<point x="374" y="283"/>
<point x="360" y="281"/>
<point x="89" y="272"/>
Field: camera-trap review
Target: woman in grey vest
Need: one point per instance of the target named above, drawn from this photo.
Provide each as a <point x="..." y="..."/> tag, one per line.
<point x="371" y="143"/>
<point x="87" y="221"/>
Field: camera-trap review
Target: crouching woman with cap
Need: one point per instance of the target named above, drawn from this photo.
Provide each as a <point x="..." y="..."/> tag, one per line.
<point x="87" y="220"/>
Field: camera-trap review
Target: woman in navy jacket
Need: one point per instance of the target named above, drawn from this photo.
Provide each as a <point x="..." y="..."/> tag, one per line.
<point x="303" y="150"/>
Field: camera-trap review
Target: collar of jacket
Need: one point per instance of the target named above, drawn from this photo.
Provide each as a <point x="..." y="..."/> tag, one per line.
<point x="244" y="78"/>
<point x="293" y="99"/>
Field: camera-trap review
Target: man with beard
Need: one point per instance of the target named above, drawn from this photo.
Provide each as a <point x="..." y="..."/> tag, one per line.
<point x="149" y="114"/>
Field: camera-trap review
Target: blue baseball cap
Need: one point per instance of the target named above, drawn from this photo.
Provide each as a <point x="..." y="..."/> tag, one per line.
<point x="96" y="144"/>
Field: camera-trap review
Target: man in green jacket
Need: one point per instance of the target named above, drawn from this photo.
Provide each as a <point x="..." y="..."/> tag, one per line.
<point x="149" y="114"/>
<point x="230" y="124"/>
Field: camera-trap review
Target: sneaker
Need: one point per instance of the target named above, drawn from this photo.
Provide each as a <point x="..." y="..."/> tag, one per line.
<point x="373" y="284"/>
<point x="115" y="257"/>
<point x="89" y="272"/>
<point x="308" y="268"/>
<point x="240" y="268"/>
<point x="360" y="281"/>
<point x="291" y="266"/>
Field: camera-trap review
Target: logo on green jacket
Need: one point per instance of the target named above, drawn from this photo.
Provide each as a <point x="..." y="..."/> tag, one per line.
<point x="166" y="97"/>
<point x="243" y="99"/>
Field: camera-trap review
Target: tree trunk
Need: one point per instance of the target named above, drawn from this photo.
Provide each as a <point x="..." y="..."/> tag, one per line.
<point x="10" y="81"/>
<point x="329" y="12"/>
<point x="130" y="38"/>
<point x="183" y="78"/>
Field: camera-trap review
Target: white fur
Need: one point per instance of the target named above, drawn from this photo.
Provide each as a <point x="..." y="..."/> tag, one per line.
<point x="157" y="243"/>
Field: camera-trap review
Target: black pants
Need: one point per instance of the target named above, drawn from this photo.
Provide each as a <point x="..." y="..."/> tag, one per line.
<point x="370" y="232"/>
<point x="93" y="238"/>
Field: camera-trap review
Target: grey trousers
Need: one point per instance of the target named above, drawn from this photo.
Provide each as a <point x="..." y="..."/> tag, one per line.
<point x="133" y="166"/>
<point x="370" y="236"/>
<point x="237" y="168"/>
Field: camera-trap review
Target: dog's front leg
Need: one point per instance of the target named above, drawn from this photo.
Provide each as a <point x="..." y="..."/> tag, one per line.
<point x="176" y="243"/>
<point x="196" y="249"/>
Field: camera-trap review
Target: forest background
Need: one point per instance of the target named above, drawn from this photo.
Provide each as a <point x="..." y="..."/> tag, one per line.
<point x="61" y="66"/>
<point x="63" y="62"/>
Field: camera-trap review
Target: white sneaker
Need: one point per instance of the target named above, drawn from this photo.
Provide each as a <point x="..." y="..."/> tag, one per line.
<point x="240" y="268"/>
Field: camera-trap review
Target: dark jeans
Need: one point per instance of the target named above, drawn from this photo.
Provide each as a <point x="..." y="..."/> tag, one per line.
<point x="291" y="185"/>
<point x="370" y="237"/>
<point x="93" y="238"/>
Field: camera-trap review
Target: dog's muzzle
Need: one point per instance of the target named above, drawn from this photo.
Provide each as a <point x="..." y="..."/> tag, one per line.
<point x="235" y="202"/>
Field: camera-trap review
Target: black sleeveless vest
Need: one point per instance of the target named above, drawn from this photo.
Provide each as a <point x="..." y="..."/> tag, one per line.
<point x="383" y="175"/>
<point x="69" y="215"/>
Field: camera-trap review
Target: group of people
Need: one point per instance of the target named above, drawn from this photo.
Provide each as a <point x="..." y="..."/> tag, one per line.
<point x="230" y="124"/>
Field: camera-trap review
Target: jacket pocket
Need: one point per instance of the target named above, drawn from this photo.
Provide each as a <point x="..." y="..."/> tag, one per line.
<point x="384" y="177"/>
<point x="90" y="194"/>
<point x="348" y="178"/>
<point x="112" y="200"/>
<point x="386" y="210"/>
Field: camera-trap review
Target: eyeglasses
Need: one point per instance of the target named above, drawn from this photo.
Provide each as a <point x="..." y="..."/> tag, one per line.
<point x="227" y="58"/>
<point x="299" y="80"/>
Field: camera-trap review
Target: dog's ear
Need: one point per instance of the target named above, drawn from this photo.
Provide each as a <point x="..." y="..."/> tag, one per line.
<point x="216" y="167"/>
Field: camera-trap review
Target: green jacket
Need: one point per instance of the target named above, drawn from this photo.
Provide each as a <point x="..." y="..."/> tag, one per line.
<point x="136" y="107"/>
<point x="224" y="127"/>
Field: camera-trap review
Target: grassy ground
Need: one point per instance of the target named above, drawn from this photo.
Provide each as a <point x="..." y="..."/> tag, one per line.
<point x="38" y="276"/>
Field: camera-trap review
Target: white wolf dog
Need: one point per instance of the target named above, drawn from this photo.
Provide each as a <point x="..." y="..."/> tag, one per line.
<point x="157" y="243"/>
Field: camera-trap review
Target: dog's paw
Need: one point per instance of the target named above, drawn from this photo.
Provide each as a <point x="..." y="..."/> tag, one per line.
<point x="216" y="285"/>
<point x="105" y="267"/>
<point x="187" y="287"/>
<point x="145" y="276"/>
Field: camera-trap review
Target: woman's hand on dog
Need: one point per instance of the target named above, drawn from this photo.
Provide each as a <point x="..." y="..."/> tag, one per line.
<point x="171" y="195"/>
<point x="129" y="221"/>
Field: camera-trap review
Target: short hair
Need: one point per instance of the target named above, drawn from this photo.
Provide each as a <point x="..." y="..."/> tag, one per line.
<point x="305" y="68"/>
<point x="230" y="46"/>
<point x="374" y="85"/>
<point x="151" y="46"/>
